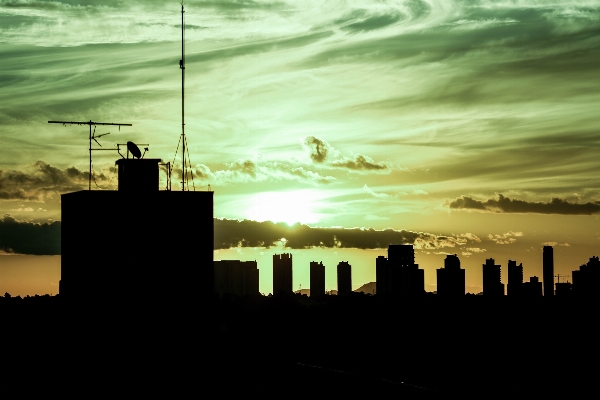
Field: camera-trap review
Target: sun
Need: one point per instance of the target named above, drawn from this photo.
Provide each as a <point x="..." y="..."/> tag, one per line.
<point x="286" y="206"/>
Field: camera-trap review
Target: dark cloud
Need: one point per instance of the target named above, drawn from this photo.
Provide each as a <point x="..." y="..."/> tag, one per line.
<point x="506" y="205"/>
<point x="41" y="179"/>
<point x="21" y="237"/>
<point x="246" y="167"/>
<point x="318" y="149"/>
<point x="29" y="238"/>
<point x="234" y="233"/>
<point x="360" y="163"/>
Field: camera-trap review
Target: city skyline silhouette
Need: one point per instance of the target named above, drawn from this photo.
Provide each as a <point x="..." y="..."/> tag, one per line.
<point x="440" y="155"/>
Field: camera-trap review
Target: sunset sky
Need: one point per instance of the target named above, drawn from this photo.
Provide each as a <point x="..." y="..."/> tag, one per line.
<point x="470" y="127"/>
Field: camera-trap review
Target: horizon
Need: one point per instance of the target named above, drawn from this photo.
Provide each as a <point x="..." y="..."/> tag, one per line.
<point x="468" y="128"/>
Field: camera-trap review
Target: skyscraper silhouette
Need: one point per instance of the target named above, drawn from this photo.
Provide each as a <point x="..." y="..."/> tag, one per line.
<point x="586" y="281"/>
<point x="492" y="286"/>
<point x="317" y="279"/>
<point x="548" y="270"/>
<point x="515" y="279"/>
<point x="451" y="278"/>
<point x="399" y="274"/>
<point x="282" y="274"/>
<point x="381" y="276"/>
<point x="236" y="277"/>
<point x="344" y="278"/>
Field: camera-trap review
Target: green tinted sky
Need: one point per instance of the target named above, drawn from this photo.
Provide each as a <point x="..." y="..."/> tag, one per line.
<point x="456" y="119"/>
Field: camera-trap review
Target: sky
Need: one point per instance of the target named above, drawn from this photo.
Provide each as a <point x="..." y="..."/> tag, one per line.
<point x="461" y="127"/>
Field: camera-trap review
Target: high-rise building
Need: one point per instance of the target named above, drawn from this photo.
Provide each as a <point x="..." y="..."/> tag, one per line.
<point x="451" y="278"/>
<point x="236" y="277"/>
<point x="399" y="274"/>
<point x="586" y="281"/>
<point x="491" y="279"/>
<point x="344" y="278"/>
<point x="533" y="288"/>
<point x="115" y="243"/>
<point x="282" y="274"/>
<point x="381" y="276"/>
<point x="317" y="279"/>
<point x="515" y="278"/>
<point x="548" y="270"/>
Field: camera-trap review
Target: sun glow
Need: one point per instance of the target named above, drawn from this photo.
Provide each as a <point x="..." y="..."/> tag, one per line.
<point x="289" y="207"/>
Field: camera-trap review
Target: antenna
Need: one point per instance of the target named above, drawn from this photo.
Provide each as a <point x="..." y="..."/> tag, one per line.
<point x="185" y="152"/>
<point x="182" y="66"/>
<point x="92" y="136"/>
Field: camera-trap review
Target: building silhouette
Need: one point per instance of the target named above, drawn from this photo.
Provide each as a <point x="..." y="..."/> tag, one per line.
<point x="491" y="279"/>
<point x="451" y="278"/>
<point x="548" y="270"/>
<point x="317" y="279"/>
<point x="344" y="278"/>
<point x="533" y="288"/>
<point x="282" y="274"/>
<point x="564" y="289"/>
<point x="381" y="275"/>
<point x="236" y="277"/>
<point x="515" y="279"/>
<point x="131" y="242"/>
<point x="586" y="280"/>
<point x="398" y="275"/>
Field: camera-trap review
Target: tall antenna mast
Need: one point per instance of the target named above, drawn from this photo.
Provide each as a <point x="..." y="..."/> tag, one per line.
<point x="182" y="66"/>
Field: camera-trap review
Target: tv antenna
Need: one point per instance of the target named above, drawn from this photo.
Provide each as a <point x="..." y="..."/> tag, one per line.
<point x="92" y="136"/>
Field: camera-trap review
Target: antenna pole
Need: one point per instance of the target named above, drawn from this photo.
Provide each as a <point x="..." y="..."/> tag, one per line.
<point x="90" y="175"/>
<point x="182" y="65"/>
<point x="89" y="123"/>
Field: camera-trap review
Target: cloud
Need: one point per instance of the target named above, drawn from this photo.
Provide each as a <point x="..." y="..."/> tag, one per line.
<point x="246" y="233"/>
<point x="506" y="205"/>
<point x="246" y="171"/>
<point x="505" y="238"/>
<point x="41" y="180"/>
<point x="320" y="152"/>
<point x="21" y="237"/>
<point x="472" y="237"/>
<point x="554" y="244"/>
<point x="318" y="149"/>
<point x="370" y="191"/>
<point x="475" y="250"/>
<point x="361" y="163"/>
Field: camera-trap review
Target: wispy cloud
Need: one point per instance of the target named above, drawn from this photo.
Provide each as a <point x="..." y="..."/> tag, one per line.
<point x="505" y="238"/>
<point x="247" y="171"/>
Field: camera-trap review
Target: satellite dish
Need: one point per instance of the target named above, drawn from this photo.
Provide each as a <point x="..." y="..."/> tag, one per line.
<point x="134" y="150"/>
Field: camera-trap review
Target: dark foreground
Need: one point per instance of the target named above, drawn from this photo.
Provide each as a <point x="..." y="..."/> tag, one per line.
<point x="271" y="347"/>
